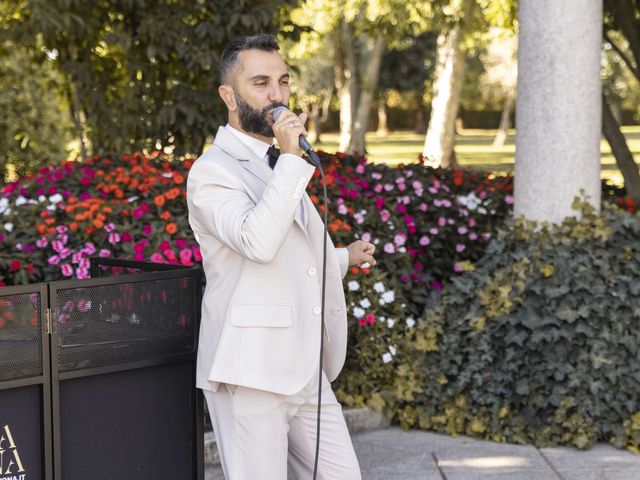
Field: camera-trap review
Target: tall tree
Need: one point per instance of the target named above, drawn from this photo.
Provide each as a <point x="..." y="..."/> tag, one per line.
<point x="139" y="74"/>
<point x="623" y="17"/>
<point x="460" y="22"/>
<point x="34" y="126"/>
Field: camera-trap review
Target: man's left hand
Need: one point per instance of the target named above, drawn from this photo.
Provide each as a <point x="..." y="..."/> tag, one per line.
<point x="361" y="252"/>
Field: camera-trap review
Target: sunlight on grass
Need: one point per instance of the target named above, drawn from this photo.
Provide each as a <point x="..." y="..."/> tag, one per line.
<point x="473" y="149"/>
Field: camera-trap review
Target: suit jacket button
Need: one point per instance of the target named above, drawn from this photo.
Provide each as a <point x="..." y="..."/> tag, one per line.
<point x="317" y="310"/>
<point x="296" y="196"/>
<point x="312" y="271"/>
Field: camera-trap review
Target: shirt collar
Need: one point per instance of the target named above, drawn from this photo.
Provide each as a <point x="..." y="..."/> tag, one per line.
<point x="257" y="147"/>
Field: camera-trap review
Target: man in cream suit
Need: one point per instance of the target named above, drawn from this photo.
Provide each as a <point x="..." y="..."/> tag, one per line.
<point x="262" y="239"/>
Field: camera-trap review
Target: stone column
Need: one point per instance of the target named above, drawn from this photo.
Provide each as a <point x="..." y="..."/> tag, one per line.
<point x="558" y="107"/>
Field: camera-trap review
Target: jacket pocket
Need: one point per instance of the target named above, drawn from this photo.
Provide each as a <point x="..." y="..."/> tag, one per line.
<point x="260" y="315"/>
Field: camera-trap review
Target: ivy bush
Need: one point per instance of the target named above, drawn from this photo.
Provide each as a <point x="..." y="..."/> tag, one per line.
<point x="539" y="341"/>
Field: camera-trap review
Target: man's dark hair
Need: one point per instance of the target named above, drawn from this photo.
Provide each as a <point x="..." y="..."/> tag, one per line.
<point x="229" y="58"/>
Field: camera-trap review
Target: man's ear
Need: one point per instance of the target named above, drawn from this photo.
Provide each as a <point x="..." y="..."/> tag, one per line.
<point x="228" y="96"/>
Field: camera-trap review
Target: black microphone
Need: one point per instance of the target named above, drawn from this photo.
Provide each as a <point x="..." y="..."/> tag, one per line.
<point x="302" y="141"/>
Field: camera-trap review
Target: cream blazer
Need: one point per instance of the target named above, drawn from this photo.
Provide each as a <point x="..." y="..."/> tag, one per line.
<point x="260" y="323"/>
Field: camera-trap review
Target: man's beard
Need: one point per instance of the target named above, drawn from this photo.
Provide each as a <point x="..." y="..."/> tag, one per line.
<point x="253" y="120"/>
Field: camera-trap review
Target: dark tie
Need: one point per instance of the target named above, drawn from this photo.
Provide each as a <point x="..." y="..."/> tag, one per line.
<point x="273" y="153"/>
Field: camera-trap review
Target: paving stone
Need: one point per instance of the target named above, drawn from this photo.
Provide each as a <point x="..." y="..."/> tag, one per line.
<point x="600" y="462"/>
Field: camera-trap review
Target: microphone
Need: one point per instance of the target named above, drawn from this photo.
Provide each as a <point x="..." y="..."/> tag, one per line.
<point x="302" y="141"/>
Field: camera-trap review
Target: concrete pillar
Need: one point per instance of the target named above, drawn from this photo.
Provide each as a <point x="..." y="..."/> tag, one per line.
<point x="558" y="107"/>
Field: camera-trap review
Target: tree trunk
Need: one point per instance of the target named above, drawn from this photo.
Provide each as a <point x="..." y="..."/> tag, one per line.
<point x="383" y="121"/>
<point x="369" y="84"/>
<point x="505" y="122"/>
<point x="314" y="129"/>
<point x="447" y="84"/>
<point x="620" y="150"/>
<point x="346" y="85"/>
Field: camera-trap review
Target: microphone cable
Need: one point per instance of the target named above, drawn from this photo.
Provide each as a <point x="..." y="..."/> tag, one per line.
<point x="315" y="160"/>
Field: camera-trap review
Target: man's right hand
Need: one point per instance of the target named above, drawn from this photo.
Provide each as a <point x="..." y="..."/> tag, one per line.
<point x="288" y="129"/>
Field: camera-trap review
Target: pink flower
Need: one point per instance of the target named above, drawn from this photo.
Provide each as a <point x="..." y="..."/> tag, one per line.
<point x="442" y="221"/>
<point x="460" y="247"/>
<point x="378" y="188"/>
<point x="146" y="229"/>
<point x="82" y="273"/>
<point x="158" y="258"/>
<point x="423" y="207"/>
<point x="57" y="245"/>
<point x="197" y="254"/>
<point x="424" y="240"/>
<point x="109" y="227"/>
<point x="400" y="208"/>
<point x="54" y="260"/>
<point x="400" y="239"/>
<point x="342" y="209"/>
<point x="433" y="231"/>
<point x="385" y="215"/>
<point x="180" y="243"/>
<point x="462" y="230"/>
<point x="42" y="242"/>
<point x="366" y="237"/>
<point x="473" y="236"/>
<point x="457" y="267"/>
<point x="67" y="270"/>
<point x="379" y="203"/>
<point x="89" y="248"/>
<point x="362" y="322"/>
<point x="509" y="199"/>
<point x="138" y="257"/>
<point x="185" y="257"/>
<point x="114" y="238"/>
<point x="370" y="318"/>
<point x="126" y="237"/>
<point x="389" y="248"/>
<point x="472" y="222"/>
<point x="360" y="169"/>
<point x="104" y="253"/>
<point x="62" y="229"/>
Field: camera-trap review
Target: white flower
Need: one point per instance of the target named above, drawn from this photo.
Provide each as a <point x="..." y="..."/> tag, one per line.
<point x="365" y="265"/>
<point x="387" y="297"/>
<point x="42" y="198"/>
<point x="20" y="201"/>
<point x="390" y="322"/>
<point x="392" y="350"/>
<point x="410" y="322"/>
<point x="8" y="226"/>
<point x="379" y="287"/>
<point x="358" y="312"/>
<point x="365" y="303"/>
<point x="167" y="175"/>
<point x="132" y="199"/>
<point x="55" y="198"/>
<point x="386" y="357"/>
<point x="353" y="286"/>
<point x="471" y="201"/>
<point x="4" y="205"/>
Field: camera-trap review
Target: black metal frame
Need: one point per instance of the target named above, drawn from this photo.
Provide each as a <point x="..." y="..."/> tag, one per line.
<point x="52" y="376"/>
<point x="43" y="380"/>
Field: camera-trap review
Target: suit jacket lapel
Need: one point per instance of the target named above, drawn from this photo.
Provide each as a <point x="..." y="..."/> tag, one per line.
<point x="227" y="142"/>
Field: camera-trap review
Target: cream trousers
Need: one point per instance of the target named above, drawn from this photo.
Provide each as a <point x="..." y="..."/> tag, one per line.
<point x="258" y="433"/>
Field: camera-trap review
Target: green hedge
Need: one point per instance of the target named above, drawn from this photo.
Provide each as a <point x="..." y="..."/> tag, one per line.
<point x="538" y="342"/>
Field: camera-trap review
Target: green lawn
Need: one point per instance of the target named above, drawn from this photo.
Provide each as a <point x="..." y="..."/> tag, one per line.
<point x="473" y="149"/>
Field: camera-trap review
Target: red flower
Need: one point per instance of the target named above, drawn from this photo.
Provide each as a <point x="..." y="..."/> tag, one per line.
<point x="15" y="265"/>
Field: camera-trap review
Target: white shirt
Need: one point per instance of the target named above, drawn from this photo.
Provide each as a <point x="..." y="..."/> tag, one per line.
<point x="259" y="149"/>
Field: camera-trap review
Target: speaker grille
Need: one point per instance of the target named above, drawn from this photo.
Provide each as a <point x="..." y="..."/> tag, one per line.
<point x="125" y="322"/>
<point x="20" y="336"/>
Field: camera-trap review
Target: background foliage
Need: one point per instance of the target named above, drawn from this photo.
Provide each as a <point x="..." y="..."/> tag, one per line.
<point x="538" y="342"/>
